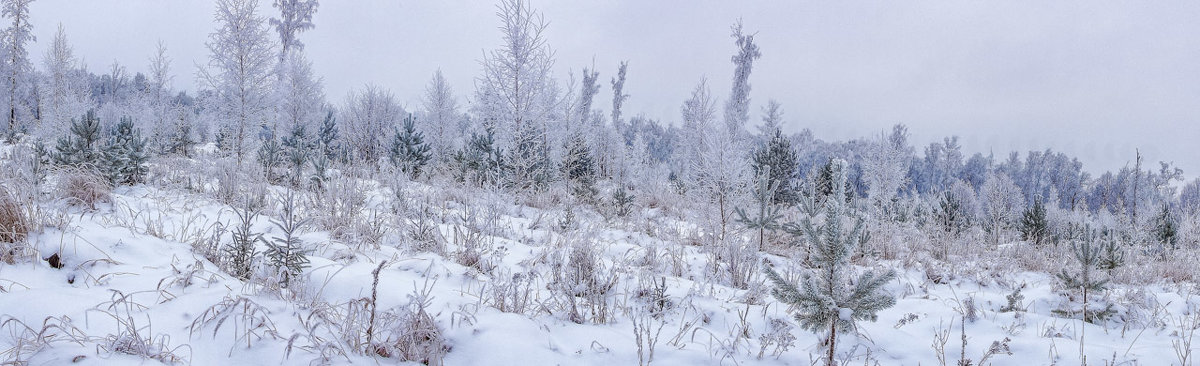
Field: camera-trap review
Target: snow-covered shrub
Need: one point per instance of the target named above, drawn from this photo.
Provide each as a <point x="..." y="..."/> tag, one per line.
<point x="512" y="292"/>
<point x="472" y="250"/>
<point x="423" y="233"/>
<point x="582" y="282"/>
<point x="83" y="187"/>
<point x="337" y="208"/>
<point x="27" y="341"/>
<point x="249" y="321"/>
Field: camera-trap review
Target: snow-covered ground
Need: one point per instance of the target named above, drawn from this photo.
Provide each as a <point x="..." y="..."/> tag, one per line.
<point x="132" y="287"/>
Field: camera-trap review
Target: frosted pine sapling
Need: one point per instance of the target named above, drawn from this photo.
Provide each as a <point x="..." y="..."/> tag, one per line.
<point x="327" y="136"/>
<point x="270" y="157"/>
<point x="950" y="214"/>
<point x="1034" y="226"/>
<point x="579" y="168"/>
<point x="1087" y="280"/>
<point x="778" y="160"/>
<point x="82" y="148"/>
<point x="286" y="254"/>
<point x="1165" y="229"/>
<point x="409" y="150"/>
<point x="296" y="148"/>
<point x="182" y="140"/>
<point x="237" y="257"/>
<point x="126" y="154"/>
<point x="623" y="201"/>
<point x="767" y="217"/>
<point x="480" y="162"/>
<point x="826" y="299"/>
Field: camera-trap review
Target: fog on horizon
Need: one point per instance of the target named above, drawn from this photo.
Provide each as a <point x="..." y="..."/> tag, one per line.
<point x="1093" y="80"/>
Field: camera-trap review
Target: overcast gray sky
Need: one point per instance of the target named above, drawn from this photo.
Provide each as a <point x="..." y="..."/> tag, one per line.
<point x="1093" y="79"/>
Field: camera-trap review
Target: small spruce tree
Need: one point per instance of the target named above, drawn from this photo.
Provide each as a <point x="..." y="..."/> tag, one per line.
<point x="622" y="200"/>
<point x="767" y="217"/>
<point x="826" y="300"/>
<point x="237" y="257"/>
<point x="1166" y="231"/>
<point x="1034" y="226"/>
<point x="83" y="147"/>
<point x="182" y="140"/>
<point x="579" y="168"/>
<point x="270" y="157"/>
<point x="327" y="136"/>
<point x="286" y="254"/>
<point x="778" y="161"/>
<point x="950" y="215"/>
<point x="480" y="161"/>
<point x="125" y="154"/>
<point x="1087" y="281"/>
<point x="409" y="150"/>
<point x="296" y="148"/>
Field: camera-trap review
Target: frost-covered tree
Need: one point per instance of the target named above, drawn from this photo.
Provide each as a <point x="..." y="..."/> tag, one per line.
<point x="1166" y="228"/>
<point x="768" y="216"/>
<point x="480" y="162"/>
<point x="772" y="120"/>
<point x="126" y="154"/>
<point x="579" y="168"/>
<point x="713" y="168"/>
<point x="18" y="69"/>
<point x="827" y="299"/>
<point x="366" y="117"/>
<point x="300" y="91"/>
<point x="237" y="257"/>
<point x="516" y="95"/>
<point x="1034" y="226"/>
<point x="409" y="152"/>
<point x="327" y="137"/>
<point x="777" y="162"/>
<point x="165" y="115"/>
<point x="737" y="108"/>
<point x="295" y="16"/>
<point x="83" y="148"/>
<point x="1189" y="197"/>
<point x="241" y="61"/>
<point x="443" y="123"/>
<point x="1001" y="202"/>
<point x="619" y="96"/>
<point x="63" y="92"/>
<point x="270" y="156"/>
<point x="886" y="165"/>
<point x="297" y="150"/>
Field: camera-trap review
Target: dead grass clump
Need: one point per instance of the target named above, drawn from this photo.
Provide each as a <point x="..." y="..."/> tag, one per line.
<point x="84" y="188"/>
<point x="14" y="225"/>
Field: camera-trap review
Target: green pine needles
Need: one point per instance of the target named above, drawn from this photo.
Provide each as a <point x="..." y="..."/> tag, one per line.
<point x="409" y="150"/>
<point x="121" y="158"/>
<point x="1034" y="226"/>
<point x="126" y="154"/>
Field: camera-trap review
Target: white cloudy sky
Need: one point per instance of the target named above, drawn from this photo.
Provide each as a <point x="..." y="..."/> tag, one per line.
<point x="1094" y="79"/>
